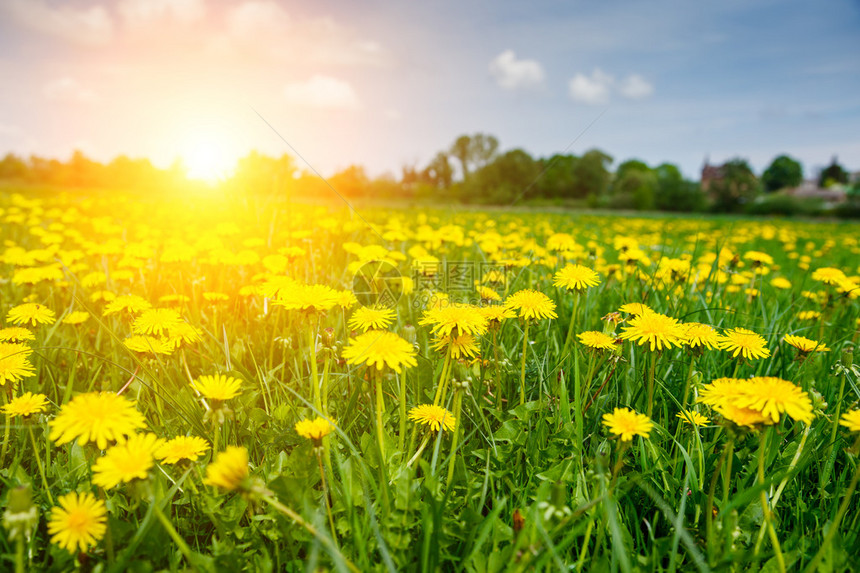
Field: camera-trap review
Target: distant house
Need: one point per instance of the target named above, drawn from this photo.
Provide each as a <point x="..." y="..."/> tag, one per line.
<point x="809" y="189"/>
<point x="711" y="173"/>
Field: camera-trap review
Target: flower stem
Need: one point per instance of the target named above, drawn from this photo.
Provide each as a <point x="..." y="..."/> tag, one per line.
<point x="417" y="455"/>
<point x="171" y="531"/>
<point x="768" y="517"/>
<point x="523" y="364"/>
<point x="6" y="430"/>
<point x="458" y="402"/>
<point x="299" y="520"/>
<point x="402" y="437"/>
<point x="443" y="377"/>
<point x="312" y="343"/>
<point x="326" y="497"/>
<point x="380" y="407"/>
<point x="39" y="464"/>
<point x="651" y="370"/>
<point x="709" y="503"/>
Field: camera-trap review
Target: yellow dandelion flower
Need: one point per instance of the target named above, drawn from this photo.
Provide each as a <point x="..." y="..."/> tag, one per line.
<point x="462" y="346"/>
<point x="698" y="335"/>
<point x="16" y="334"/>
<point x="380" y="348"/>
<point x="77" y="317"/>
<point x="127" y="461"/>
<point x="774" y="396"/>
<point x="851" y="420"/>
<point x="307" y="298"/>
<point x="14" y="363"/>
<point x="496" y="313"/>
<point x="828" y="275"/>
<point x="576" y="277"/>
<point x="808" y="315"/>
<point x="315" y="429"/>
<point x="635" y="308"/>
<point x="532" y="305"/>
<point x="436" y="417"/>
<point x="345" y="299"/>
<point x="229" y="470"/>
<point x="218" y="387"/>
<point x="719" y="391"/>
<point x="657" y="330"/>
<point x="463" y="318"/>
<point x="486" y="293"/>
<point x="30" y="313"/>
<point x="693" y="418"/>
<point x="148" y="344"/>
<point x="99" y="417"/>
<point x="26" y="404"/>
<point x="805" y="345"/>
<point x="744" y="342"/>
<point x="740" y="416"/>
<point x="182" y="448"/>
<point x="597" y="340"/>
<point x="780" y="283"/>
<point x="626" y="424"/>
<point x="757" y="257"/>
<point x="215" y="297"/>
<point x="78" y="522"/>
<point x="157" y="321"/>
<point x="371" y="318"/>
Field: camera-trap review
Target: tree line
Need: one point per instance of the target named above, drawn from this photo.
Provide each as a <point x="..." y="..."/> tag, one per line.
<point x="473" y="169"/>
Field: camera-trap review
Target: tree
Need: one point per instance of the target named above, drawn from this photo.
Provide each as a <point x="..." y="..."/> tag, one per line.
<point x="591" y="174"/>
<point x="503" y="180"/>
<point x="674" y="193"/>
<point x="461" y="150"/>
<point x="783" y="172"/>
<point x="634" y="185"/>
<point x="13" y="167"/>
<point x="832" y="174"/>
<point x="737" y="187"/>
<point x="351" y="182"/>
<point x="558" y="178"/>
<point x="439" y="172"/>
<point x="483" y="149"/>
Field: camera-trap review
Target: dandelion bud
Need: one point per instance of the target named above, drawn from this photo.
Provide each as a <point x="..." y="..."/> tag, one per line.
<point x="21" y="516"/>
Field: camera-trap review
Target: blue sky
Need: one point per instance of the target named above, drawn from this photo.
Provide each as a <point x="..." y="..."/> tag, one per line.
<point x="386" y="84"/>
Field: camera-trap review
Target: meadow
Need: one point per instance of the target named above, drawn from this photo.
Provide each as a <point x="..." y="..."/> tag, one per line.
<point x="246" y="384"/>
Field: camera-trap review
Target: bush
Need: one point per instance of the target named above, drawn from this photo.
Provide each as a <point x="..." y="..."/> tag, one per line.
<point x="785" y="205"/>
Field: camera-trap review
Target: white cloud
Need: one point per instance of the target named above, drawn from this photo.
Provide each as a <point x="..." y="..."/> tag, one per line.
<point x="636" y="87"/>
<point x="139" y="12"/>
<point x="513" y="74"/>
<point x="593" y="90"/>
<point x="68" y="90"/>
<point x="265" y="28"/>
<point x="90" y="26"/>
<point x="256" y="19"/>
<point x="323" y="92"/>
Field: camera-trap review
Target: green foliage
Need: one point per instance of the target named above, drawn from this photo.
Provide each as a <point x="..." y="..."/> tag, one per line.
<point x="503" y="180"/>
<point x="832" y="174"/>
<point x="738" y="187"/>
<point x="783" y="172"/>
<point x="778" y="204"/>
<point x="591" y="174"/>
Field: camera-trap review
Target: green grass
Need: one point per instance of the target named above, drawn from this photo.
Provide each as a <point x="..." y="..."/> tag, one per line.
<point x="530" y="489"/>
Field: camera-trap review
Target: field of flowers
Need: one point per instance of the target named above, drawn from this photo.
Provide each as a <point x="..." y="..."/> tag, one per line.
<point x="250" y="385"/>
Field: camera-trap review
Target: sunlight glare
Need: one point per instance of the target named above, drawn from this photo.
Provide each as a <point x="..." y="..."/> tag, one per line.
<point x="206" y="158"/>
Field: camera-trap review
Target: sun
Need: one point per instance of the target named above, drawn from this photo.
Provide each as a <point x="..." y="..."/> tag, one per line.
<point x="207" y="158"/>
